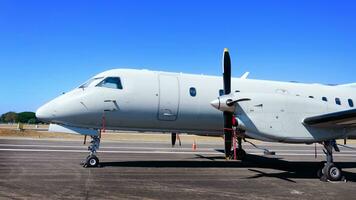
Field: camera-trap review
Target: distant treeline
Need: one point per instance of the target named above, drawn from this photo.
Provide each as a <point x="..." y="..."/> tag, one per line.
<point x="22" y="117"/>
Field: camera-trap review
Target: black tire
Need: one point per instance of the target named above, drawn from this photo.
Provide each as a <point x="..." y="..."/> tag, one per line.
<point x="319" y="173"/>
<point x="333" y="173"/>
<point x="92" y="161"/>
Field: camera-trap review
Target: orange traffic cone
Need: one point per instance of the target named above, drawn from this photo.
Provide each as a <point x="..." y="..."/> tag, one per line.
<point x="194" y="146"/>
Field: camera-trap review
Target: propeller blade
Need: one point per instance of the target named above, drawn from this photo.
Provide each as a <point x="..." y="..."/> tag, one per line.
<point x="226" y="71"/>
<point x="227" y="133"/>
<point x="226" y="62"/>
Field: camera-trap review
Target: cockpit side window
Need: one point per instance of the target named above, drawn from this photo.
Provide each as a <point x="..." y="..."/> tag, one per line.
<point x="90" y="81"/>
<point x="111" y="82"/>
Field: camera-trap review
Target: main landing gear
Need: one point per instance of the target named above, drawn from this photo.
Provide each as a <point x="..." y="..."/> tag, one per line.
<point x="329" y="170"/>
<point x="92" y="160"/>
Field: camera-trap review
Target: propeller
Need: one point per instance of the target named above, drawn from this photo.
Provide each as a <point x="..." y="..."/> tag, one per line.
<point x="227" y="104"/>
<point x="228" y="116"/>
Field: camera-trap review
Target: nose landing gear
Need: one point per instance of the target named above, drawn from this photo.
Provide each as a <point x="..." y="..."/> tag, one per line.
<point x="92" y="160"/>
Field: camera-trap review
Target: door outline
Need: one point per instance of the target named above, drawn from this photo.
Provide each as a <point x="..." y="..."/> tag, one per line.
<point x="165" y="112"/>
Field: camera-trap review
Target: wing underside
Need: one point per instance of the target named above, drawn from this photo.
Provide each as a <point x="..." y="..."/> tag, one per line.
<point x="341" y="119"/>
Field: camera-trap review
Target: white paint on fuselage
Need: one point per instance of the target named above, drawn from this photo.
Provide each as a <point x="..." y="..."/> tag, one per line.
<point x="137" y="106"/>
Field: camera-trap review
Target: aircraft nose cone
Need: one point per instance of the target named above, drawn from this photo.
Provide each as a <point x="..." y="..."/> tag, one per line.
<point x="44" y="113"/>
<point x="216" y="103"/>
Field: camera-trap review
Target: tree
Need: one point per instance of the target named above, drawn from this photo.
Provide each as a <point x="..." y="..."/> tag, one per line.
<point x="32" y="121"/>
<point x="25" y="117"/>
<point x="9" y="117"/>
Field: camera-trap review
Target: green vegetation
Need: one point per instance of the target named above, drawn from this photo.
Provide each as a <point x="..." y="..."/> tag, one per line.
<point x="23" y="117"/>
<point x="9" y="117"/>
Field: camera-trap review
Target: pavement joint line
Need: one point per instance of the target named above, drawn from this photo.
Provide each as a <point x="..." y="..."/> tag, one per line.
<point x="259" y="143"/>
<point x="159" y="148"/>
<point x="131" y="152"/>
<point x="103" y="141"/>
<point x="163" y="152"/>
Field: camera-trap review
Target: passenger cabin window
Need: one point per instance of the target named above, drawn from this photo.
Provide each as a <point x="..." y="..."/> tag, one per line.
<point x="351" y="103"/>
<point x="312" y="97"/>
<point x="193" y="92"/>
<point x="221" y="92"/>
<point x="324" y="99"/>
<point x="111" y="82"/>
<point x="337" y="101"/>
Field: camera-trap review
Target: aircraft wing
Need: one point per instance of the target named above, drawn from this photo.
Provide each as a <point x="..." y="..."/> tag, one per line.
<point x="339" y="119"/>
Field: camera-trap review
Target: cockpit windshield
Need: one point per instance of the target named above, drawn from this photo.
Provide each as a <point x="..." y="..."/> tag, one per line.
<point x="90" y="81"/>
<point x="111" y="82"/>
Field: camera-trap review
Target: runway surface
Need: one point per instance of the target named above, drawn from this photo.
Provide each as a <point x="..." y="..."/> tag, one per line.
<point x="50" y="169"/>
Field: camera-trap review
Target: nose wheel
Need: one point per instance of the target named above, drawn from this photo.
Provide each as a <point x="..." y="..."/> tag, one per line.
<point x="92" y="160"/>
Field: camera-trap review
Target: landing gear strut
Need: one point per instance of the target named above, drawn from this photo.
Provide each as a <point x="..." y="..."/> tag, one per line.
<point x="329" y="170"/>
<point x="92" y="160"/>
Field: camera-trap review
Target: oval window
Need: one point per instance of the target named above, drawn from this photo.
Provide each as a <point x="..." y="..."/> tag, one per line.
<point x="193" y="92"/>
<point x="351" y="103"/>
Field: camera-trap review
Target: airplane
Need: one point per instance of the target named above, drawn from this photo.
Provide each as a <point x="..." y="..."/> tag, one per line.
<point x="156" y="101"/>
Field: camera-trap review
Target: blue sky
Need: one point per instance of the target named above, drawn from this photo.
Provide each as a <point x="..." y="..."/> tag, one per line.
<point x="48" y="47"/>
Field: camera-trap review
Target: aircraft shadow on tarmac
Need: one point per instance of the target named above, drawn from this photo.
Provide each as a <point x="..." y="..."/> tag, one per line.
<point x="290" y="169"/>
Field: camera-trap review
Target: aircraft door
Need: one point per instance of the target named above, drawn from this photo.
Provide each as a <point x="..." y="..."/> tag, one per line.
<point x="168" y="97"/>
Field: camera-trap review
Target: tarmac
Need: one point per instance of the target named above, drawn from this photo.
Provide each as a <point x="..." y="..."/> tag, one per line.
<point x="50" y="169"/>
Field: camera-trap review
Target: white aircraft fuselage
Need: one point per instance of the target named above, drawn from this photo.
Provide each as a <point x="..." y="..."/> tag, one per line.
<point x="178" y="102"/>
